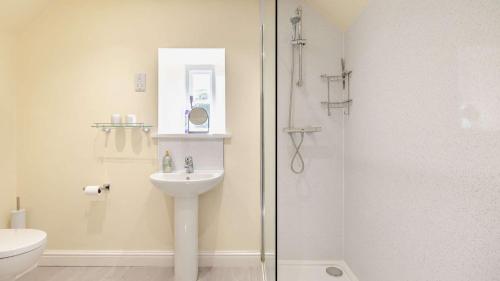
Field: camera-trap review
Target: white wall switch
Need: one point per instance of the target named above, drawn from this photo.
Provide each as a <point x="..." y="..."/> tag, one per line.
<point x="140" y="82"/>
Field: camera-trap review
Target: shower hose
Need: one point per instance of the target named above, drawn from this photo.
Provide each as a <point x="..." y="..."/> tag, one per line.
<point x="297" y="156"/>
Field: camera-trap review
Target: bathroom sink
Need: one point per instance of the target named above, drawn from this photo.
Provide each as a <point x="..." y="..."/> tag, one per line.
<point x="182" y="184"/>
<point x="185" y="187"/>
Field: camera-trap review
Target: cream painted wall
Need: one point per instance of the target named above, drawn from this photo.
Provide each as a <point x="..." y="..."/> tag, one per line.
<point x="15" y="14"/>
<point x="78" y="63"/>
<point x="7" y="129"/>
<point x="422" y="141"/>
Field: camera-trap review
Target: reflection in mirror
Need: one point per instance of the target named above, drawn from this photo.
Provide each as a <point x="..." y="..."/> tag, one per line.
<point x="190" y="79"/>
<point x="201" y="85"/>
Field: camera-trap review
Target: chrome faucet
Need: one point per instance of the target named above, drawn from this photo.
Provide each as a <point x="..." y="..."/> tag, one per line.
<point x="188" y="164"/>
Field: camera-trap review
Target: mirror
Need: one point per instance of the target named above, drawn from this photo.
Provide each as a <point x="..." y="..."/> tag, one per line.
<point x="191" y="91"/>
<point x="198" y="116"/>
<point x="199" y="121"/>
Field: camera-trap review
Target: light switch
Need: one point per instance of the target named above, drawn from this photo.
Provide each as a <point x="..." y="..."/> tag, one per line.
<point x="140" y="82"/>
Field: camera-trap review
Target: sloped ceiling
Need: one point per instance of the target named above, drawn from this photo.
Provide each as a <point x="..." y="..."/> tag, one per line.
<point x="342" y="13"/>
<point x="15" y="14"/>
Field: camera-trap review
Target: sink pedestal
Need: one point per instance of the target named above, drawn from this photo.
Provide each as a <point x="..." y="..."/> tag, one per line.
<point x="186" y="238"/>
<point x="185" y="188"/>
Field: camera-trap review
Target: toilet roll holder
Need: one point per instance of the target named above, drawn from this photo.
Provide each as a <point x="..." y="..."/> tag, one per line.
<point x="104" y="187"/>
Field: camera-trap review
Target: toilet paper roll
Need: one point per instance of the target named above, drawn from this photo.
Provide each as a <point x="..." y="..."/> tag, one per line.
<point x="18" y="219"/>
<point x="92" y="190"/>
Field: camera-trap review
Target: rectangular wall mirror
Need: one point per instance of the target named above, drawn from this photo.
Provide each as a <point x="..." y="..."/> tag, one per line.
<point x="191" y="78"/>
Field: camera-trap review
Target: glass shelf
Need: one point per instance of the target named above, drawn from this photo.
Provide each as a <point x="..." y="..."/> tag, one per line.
<point x="340" y="104"/>
<point x="107" y="127"/>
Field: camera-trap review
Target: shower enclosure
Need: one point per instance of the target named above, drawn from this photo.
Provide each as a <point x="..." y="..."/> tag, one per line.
<point x="295" y="130"/>
<point x="312" y="94"/>
<point x="387" y="140"/>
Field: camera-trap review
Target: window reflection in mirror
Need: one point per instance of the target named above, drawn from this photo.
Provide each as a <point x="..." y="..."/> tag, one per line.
<point x="201" y="87"/>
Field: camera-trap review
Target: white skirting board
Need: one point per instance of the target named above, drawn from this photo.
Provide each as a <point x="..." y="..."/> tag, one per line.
<point x="339" y="263"/>
<point x="144" y="258"/>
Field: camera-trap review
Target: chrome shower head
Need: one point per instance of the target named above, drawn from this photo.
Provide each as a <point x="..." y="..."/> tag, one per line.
<point x="295" y="20"/>
<point x="297" y="24"/>
<point x="298" y="16"/>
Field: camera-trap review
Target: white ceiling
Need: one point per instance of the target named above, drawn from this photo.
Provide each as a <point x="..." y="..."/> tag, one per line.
<point x="14" y="14"/>
<point x="341" y="12"/>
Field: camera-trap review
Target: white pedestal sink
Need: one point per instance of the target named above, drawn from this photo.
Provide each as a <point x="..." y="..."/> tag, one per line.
<point x="185" y="189"/>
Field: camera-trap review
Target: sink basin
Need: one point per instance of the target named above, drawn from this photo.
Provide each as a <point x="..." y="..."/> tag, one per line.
<point x="182" y="184"/>
<point x="185" y="189"/>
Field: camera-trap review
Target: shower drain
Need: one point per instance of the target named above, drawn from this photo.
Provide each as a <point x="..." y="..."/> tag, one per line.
<point x="334" y="271"/>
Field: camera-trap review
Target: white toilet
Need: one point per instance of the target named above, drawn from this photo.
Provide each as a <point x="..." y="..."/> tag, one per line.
<point x="20" y="250"/>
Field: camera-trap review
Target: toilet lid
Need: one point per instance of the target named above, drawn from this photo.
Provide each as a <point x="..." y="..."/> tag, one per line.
<point x="15" y="242"/>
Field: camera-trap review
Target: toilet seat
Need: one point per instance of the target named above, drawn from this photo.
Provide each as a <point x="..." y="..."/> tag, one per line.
<point x="14" y="242"/>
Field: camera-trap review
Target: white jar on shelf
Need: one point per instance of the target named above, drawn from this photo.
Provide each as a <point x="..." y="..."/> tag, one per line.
<point x="131" y="118"/>
<point x="116" y="118"/>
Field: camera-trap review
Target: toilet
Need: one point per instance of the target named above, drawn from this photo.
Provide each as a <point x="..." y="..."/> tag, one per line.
<point x="20" y="250"/>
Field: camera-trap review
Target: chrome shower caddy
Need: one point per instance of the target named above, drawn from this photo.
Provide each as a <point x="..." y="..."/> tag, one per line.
<point x="345" y="78"/>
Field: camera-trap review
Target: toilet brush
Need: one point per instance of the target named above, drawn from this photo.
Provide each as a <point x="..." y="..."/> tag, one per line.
<point x="18" y="216"/>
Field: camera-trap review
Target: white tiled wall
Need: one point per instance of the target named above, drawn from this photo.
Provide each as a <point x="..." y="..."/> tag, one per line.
<point x="207" y="153"/>
<point x="423" y="141"/>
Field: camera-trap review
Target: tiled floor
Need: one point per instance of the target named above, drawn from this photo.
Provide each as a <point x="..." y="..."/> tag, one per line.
<point x="138" y="274"/>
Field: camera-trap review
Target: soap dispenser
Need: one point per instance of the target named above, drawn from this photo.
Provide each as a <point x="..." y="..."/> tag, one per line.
<point x="167" y="163"/>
